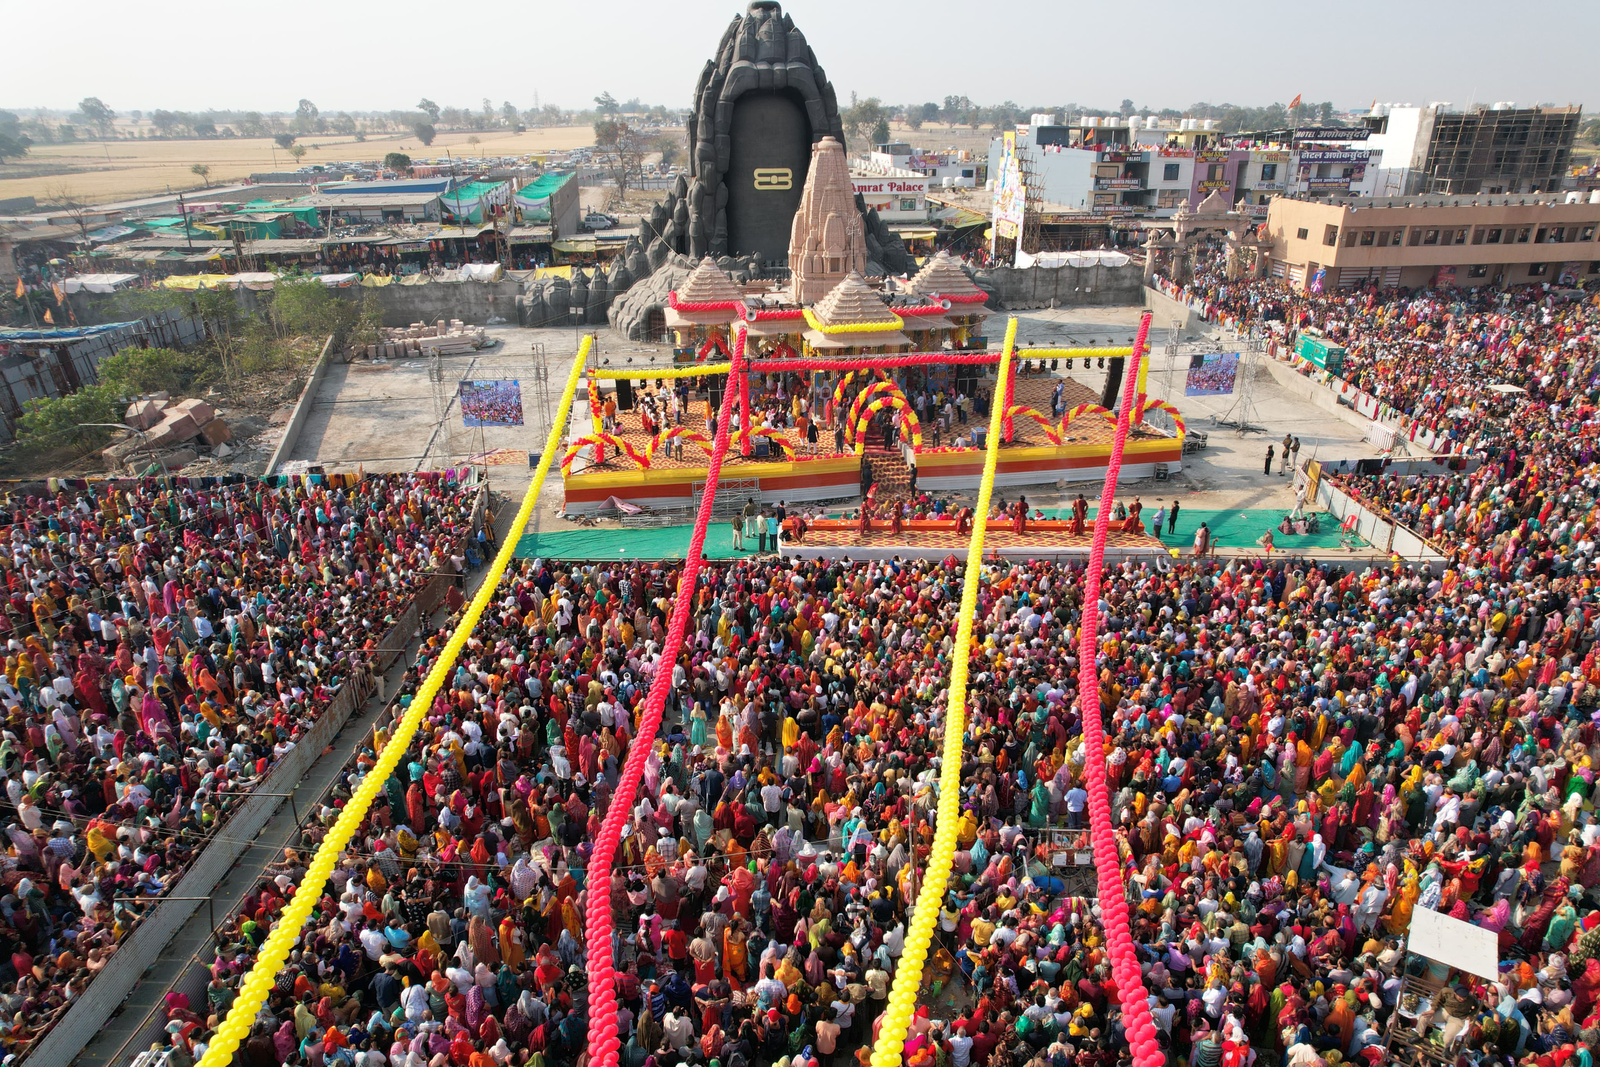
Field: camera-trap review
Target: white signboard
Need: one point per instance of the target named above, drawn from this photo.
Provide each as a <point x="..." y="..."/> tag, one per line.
<point x="1455" y="943"/>
<point x="866" y="186"/>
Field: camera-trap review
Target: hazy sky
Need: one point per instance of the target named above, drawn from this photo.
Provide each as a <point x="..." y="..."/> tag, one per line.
<point x="378" y="56"/>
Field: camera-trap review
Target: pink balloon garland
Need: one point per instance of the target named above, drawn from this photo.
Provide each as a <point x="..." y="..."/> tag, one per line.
<point x="1131" y="994"/>
<point x="604" y="1041"/>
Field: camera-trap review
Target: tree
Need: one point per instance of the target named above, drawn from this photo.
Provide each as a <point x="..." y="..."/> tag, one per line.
<point x="163" y="121"/>
<point x="96" y="114"/>
<point x="398" y="162"/>
<point x="670" y="147"/>
<point x="250" y="124"/>
<point x="930" y="112"/>
<point x="203" y="171"/>
<point x="1325" y="112"/>
<point x="305" y="116"/>
<point x="284" y="140"/>
<point x="425" y="133"/>
<point x="862" y="117"/>
<point x="474" y="140"/>
<point x="204" y="127"/>
<point x="65" y="199"/>
<point x="298" y="151"/>
<point x="913" y="117"/>
<point x="343" y="124"/>
<point x="880" y="132"/>
<point x="13" y="142"/>
<point x="508" y="112"/>
<point x="606" y="104"/>
<point x="621" y="149"/>
<point x="488" y="114"/>
<point x="429" y="108"/>
<point x="1126" y="108"/>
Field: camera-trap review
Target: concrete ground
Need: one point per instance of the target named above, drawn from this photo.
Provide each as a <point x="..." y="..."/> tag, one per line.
<point x="1227" y="474"/>
<point x="394" y="416"/>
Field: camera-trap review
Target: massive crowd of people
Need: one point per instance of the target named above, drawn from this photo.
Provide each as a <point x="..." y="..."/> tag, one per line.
<point x="1299" y="756"/>
<point x="1507" y="378"/>
<point x="166" y="643"/>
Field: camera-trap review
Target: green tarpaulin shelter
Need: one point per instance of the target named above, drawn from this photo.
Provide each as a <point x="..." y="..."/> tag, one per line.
<point x="469" y="200"/>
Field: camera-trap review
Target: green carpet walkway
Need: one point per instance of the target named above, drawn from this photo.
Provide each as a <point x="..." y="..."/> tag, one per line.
<point x="659" y="542"/>
<point x="1229" y="529"/>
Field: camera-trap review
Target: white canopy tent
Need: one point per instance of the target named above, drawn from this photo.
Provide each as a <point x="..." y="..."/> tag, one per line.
<point x="1103" y="257"/>
<point x="98" y="283"/>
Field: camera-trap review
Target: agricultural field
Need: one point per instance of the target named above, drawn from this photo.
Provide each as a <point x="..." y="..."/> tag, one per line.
<point x="939" y="136"/>
<point x="105" y="171"/>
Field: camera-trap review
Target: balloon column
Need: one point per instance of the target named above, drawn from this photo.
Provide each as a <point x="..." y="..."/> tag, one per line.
<point x="1137" y="1022"/>
<point x="604" y="1040"/>
<point x="275" y="950"/>
<point x="908" y="978"/>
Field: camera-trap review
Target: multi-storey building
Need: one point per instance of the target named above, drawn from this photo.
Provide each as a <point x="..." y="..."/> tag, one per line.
<point x="1435" y="240"/>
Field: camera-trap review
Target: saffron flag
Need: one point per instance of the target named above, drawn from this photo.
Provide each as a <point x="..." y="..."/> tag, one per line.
<point x="1295" y="102"/>
<point x="20" y="290"/>
<point x="47" y="317"/>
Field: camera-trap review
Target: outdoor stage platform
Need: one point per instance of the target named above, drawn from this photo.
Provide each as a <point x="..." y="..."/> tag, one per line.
<point x="1031" y="458"/>
<point x="938" y="539"/>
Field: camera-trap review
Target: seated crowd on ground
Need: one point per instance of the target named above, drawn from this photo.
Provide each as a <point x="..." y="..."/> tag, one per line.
<point x="1299" y="756"/>
<point x="165" y="646"/>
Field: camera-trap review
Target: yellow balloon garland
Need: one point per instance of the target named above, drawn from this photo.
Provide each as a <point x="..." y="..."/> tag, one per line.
<point x="908" y="979"/>
<point x="275" y="951"/>
<point x="686" y="370"/>
<point x="855" y="327"/>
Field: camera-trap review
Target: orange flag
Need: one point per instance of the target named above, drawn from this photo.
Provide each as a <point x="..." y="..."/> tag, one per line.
<point x="47" y="317"/>
<point x="21" y="292"/>
<point x="1295" y="102"/>
<point x="61" y="298"/>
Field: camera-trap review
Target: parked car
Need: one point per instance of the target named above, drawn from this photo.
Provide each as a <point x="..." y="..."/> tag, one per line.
<point x="597" y="221"/>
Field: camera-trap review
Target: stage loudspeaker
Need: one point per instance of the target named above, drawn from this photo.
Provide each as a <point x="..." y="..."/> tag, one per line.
<point x="624" y="394"/>
<point x="1108" y="396"/>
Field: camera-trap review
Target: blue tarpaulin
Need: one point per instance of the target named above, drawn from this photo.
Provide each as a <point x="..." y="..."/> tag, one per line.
<point x="75" y="333"/>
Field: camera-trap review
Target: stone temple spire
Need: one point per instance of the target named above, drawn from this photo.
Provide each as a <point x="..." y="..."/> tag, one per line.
<point x="827" y="241"/>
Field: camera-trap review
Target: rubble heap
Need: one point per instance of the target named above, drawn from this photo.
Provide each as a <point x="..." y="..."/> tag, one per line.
<point x="421" y="339"/>
<point x="171" y="431"/>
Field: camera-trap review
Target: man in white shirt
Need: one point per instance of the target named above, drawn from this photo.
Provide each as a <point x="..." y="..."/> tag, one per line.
<point x="960" y="1047"/>
<point x="1077" y="800"/>
<point x="373" y="941"/>
<point x="772" y="801"/>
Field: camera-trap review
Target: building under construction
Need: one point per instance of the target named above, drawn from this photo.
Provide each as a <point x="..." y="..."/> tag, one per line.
<point x="1498" y="150"/>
